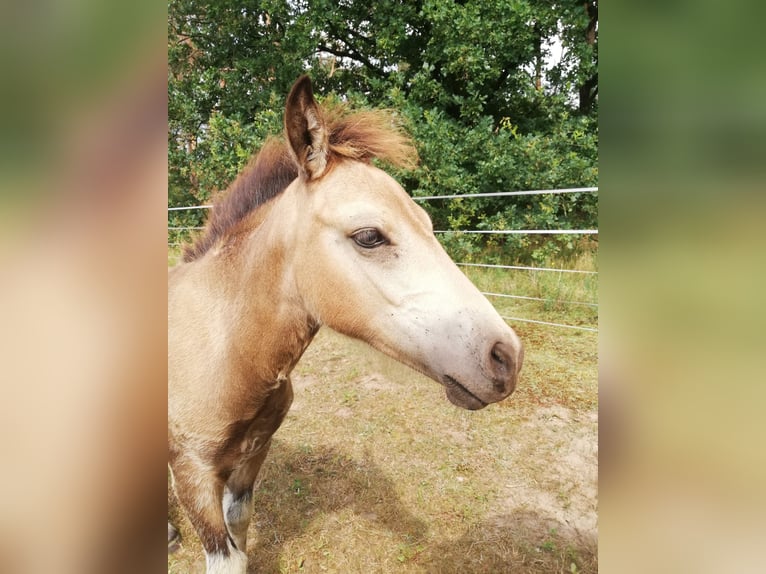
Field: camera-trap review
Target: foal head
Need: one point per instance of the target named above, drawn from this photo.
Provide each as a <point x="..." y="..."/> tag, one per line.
<point x="364" y="260"/>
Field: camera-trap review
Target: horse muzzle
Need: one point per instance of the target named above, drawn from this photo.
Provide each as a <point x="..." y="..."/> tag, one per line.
<point x="499" y="373"/>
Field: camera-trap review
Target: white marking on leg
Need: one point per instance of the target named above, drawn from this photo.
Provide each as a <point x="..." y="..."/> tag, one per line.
<point x="234" y="510"/>
<point x="234" y="563"/>
<point x="237" y="513"/>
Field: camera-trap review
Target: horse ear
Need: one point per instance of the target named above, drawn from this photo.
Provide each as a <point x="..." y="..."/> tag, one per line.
<point x="305" y="129"/>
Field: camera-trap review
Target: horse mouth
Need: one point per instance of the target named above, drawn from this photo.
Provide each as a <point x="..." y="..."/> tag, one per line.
<point x="462" y="397"/>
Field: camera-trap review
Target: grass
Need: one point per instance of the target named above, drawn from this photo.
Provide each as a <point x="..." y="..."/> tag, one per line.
<point x="564" y="294"/>
<point x="374" y="471"/>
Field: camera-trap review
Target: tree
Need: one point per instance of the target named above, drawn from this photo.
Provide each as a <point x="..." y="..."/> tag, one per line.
<point x="472" y="80"/>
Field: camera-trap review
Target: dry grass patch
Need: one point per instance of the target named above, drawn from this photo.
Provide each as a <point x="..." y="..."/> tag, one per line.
<point x="374" y="471"/>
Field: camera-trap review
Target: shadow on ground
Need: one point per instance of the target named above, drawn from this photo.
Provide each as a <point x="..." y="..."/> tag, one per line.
<point x="301" y="484"/>
<point x="297" y="485"/>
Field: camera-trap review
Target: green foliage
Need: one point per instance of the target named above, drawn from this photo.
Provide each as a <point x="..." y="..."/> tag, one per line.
<point x="470" y="80"/>
<point x="484" y="159"/>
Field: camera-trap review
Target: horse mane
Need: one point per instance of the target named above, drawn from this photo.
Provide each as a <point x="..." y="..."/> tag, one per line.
<point x="360" y="136"/>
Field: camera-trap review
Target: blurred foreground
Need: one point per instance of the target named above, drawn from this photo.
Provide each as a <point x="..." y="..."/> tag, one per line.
<point x="682" y="468"/>
<point x="82" y="293"/>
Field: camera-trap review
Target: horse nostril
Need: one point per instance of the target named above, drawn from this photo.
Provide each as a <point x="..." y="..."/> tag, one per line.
<point x="498" y="356"/>
<point x="502" y="365"/>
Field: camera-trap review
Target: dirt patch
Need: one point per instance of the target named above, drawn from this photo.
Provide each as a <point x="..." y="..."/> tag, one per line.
<point x="344" y="412"/>
<point x="564" y="487"/>
<point x="302" y="382"/>
<point x="375" y="382"/>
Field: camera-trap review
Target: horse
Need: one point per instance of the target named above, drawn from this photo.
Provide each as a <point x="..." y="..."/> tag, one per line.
<point x="311" y="233"/>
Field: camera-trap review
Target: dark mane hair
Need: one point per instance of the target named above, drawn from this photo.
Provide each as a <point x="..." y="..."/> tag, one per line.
<point x="267" y="175"/>
<point x="360" y="136"/>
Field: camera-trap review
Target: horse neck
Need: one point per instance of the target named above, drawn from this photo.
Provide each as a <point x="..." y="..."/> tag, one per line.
<point x="270" y="327"/>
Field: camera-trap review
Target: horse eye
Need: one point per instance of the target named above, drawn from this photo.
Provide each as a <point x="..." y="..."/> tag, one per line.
<point x="369" y="238"/>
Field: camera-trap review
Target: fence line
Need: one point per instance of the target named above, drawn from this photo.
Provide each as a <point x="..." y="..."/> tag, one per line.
<point x="523" y="268"/>
<point x="539" y="299"/>
<point x="189" y="207"/>
<point x="508" y="193"/>
<point x="592" y="329"/>
<point x="458" y="196"/>
<point x="523" y="231"/>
